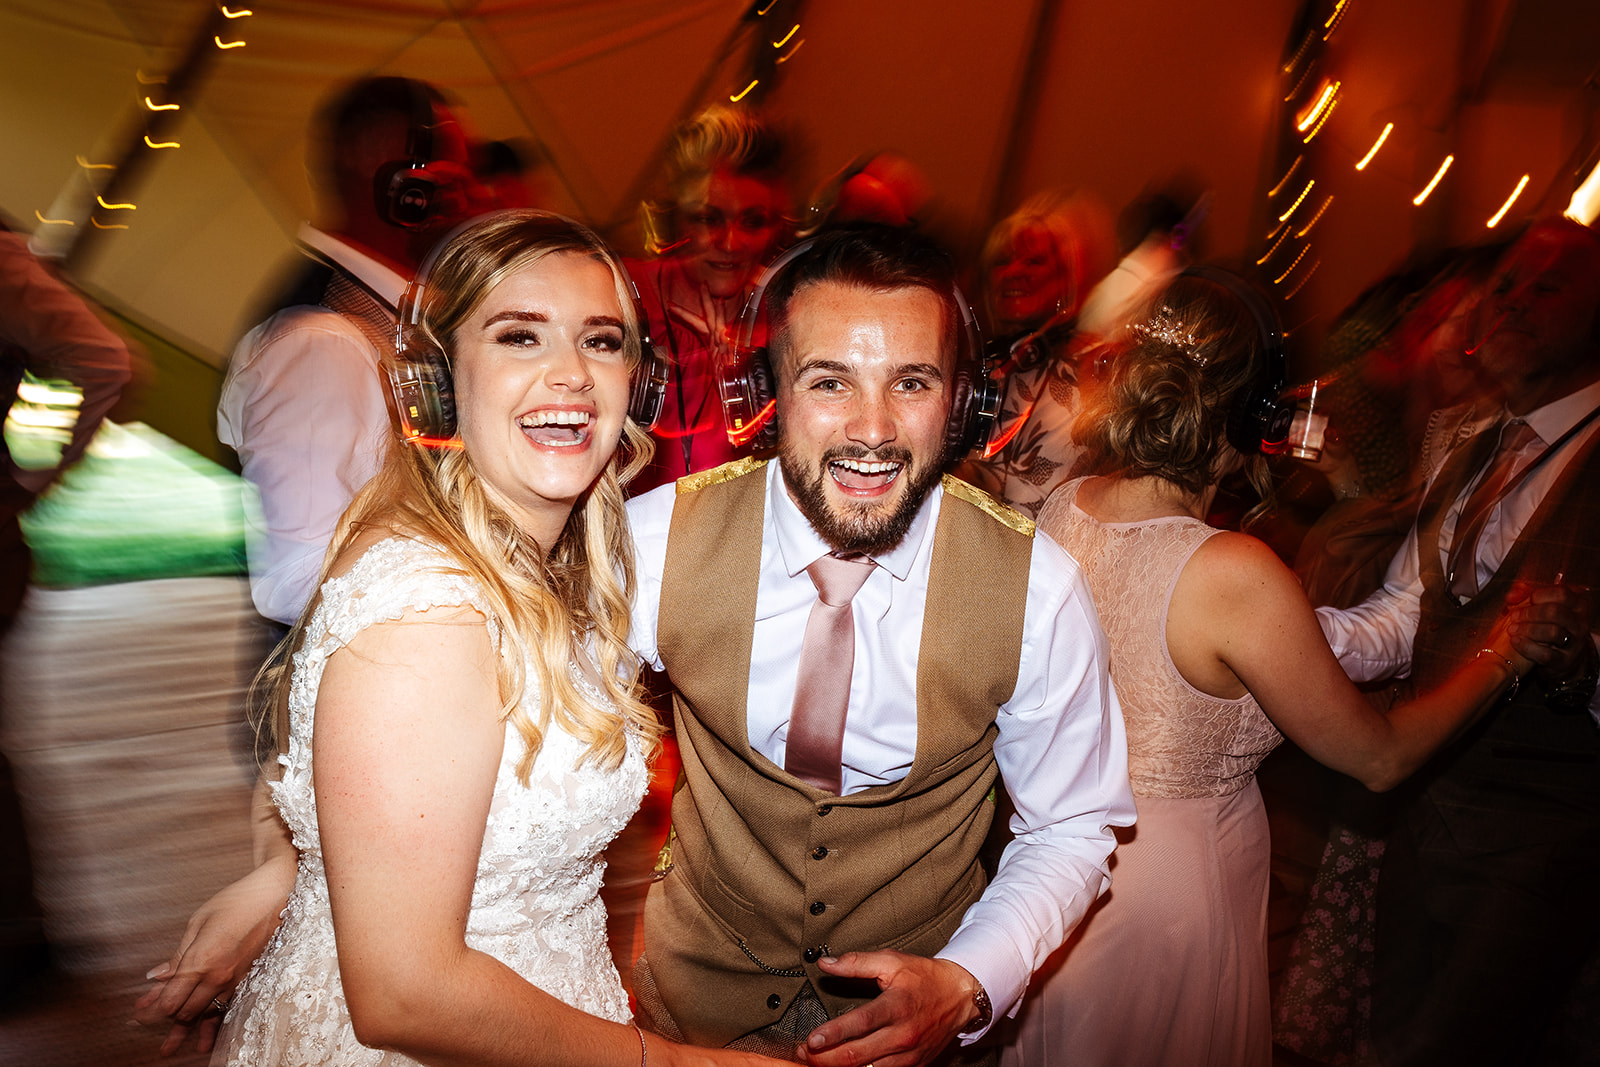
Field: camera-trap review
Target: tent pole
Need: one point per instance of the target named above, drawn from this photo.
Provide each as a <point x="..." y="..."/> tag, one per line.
<point x="1024" y="108"/>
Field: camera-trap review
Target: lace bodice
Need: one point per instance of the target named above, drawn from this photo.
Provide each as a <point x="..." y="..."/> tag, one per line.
<point x="535" y="903"/>
<point x="1181" y="742"/>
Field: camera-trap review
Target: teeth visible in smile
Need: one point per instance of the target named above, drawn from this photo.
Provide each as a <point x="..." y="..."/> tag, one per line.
<point x="553" y="418"/>
<point x="863" y="467"/>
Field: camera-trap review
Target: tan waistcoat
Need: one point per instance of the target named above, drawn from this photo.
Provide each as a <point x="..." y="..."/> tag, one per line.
<point x="770" y="873"/>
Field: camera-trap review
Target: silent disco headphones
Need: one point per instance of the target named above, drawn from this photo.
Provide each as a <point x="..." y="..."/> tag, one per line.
<point x="1258" y="421"/>
<point x="406" y="192"/>
<point x="420" y="382"/>
<point x="749" y="389"/>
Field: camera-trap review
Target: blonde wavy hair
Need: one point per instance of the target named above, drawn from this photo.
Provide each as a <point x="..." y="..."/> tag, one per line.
<point x="1192" y="356"/>
<point x="1078" y="229"/>
<point x="556" y="605"/>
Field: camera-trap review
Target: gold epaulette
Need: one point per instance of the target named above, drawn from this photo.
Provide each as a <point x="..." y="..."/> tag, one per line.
<point x="691" y="483"/>
<point x="1001" y="513"/>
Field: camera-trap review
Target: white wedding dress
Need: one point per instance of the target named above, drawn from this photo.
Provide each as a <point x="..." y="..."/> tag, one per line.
<point x="535" y="902"/>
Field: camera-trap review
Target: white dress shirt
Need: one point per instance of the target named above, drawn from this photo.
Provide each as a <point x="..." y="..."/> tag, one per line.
<point x="303" y="406"/>
<point x="1061" y="747"/>
<point x="1373" y="639"/>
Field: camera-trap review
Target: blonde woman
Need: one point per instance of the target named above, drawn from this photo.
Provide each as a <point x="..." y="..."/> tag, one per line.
<point x="463" y="736"/>
<point x="1216" y="656"/>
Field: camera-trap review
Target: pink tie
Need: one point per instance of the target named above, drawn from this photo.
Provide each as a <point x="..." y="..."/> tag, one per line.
<point x="822" y="690"/>
<point x="1514" y="436"/>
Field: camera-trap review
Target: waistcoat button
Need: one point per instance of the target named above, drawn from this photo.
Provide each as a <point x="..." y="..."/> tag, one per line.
<point x="818" y="907"/>
<point x="820" y="852"/>
<point x="773" y="1002"/>
<point x="811" y="955"/>
<point x="824" y="809"/>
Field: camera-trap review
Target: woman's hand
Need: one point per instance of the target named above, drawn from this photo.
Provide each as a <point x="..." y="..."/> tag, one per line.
<point x="223" y="938"/>
<point x="711" y="323"/>
<point x="1545" y="625"/>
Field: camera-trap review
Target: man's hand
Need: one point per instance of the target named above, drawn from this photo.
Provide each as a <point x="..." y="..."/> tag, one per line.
<point x="222" y="940"/>
<point x="924" y="1003"/>
<point x="1550" y="624"/>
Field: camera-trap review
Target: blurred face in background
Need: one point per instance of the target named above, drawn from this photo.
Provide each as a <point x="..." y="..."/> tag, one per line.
<point x="732" y="223"/>
<point x="1028" y="283"/>
<point x="1537" y="320"/>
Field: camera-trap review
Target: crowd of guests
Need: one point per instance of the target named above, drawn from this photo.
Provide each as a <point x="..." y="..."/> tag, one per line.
<point x="860" y="646"/>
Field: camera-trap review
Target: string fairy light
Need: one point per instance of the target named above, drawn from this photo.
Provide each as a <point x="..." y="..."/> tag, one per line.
<point x="790" y="53"/>
<point x="52" y="222"/>
<point x="792" y="31"/>
<point x="1301" y="284"/>
<point x="1382" y="137"/>
<point x="1437" y="175"/>
<point x="1307" y="228"/>
<point x="115" y="207"/>
<point x="1279" y="279"/>
<point x="1298" y="200"/>
<point x="225" y="45"/>
<point x="1512" y="199"/>
<point x="153" y="106"/>
<point x="86" y="165"/>
<point x="160" y="144"/>
<point x="745" y="91"/>
<point x="1286" y="176"/>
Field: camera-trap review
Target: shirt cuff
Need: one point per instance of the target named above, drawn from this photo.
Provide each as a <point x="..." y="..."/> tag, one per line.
<point x="989" y="955"/>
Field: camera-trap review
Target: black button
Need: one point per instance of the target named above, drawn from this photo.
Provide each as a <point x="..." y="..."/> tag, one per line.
<point x="817" y="908"/>
<point x="824" y="809"/>
<point x="773" y="1002"/>
<point x="819" y="853"/>
<point x="811" y="955"/>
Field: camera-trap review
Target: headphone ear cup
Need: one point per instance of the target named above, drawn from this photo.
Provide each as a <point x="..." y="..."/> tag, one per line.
<point x="747" y="390"/>
<point x="648" y="389"/>
<point x="421" y="387"/>
<point x="1259" y="422"/>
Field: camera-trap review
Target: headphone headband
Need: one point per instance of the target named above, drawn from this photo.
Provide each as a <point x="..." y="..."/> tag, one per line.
<point x="1259" y="420"/>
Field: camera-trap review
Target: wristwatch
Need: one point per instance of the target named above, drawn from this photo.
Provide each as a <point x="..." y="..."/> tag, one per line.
<point x="980" y="1000"/>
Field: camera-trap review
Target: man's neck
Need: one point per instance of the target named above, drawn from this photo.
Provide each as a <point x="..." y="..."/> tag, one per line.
<point x="1531" y="395"/>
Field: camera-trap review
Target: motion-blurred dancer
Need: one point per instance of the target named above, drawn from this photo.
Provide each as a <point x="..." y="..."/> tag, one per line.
<point x="729" y="212"/>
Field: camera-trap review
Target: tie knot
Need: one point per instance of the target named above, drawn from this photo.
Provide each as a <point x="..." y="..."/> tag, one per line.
<point x="1515" y="435"/>
<point x="837" y="580"/>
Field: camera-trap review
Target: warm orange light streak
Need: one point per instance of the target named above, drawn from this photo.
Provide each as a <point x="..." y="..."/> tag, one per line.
<point x="160" y="144"/>
<point x="1585" y="202"/>
<point x="1321" y="122"/>
<point x="1512" y="199"/>
<point x="52" y="222"/>
<point x="792" y="31"/>
<point x="1304" y="44"/>
<point x="242" y="13"/>
<point x="790" y="53"/>
<point x="1338" y="9"/>
<point x="228" y="44"/>
<point x="745" y="91"/>
<point x="1308" y="118"/>
<point x="1438" y="174"/>
<point x="435" y="442"/>
<point x="115" y="207"/>
<point x="1279" y="228"/>
<point x="86" y="165"/>
<point x="1297" y="201"/>
<point x="1299" y="85"/>
<point x="1301" y="284"/>
<point x="106" y="225"/>
<point x="1286" y="176"/>
<point x="1382" y="137"/>
<point x="156" y="79"/>
<point x="1279" y="279"/>
<point x="153" y="106"/>
<point x="745" y="435"/>
<point x="1275" y="246"/>
<point x="1315" y="217"/>
<point x="769" y="7"/>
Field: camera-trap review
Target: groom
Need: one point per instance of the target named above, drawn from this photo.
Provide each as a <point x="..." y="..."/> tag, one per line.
<point x="825" y="891"/>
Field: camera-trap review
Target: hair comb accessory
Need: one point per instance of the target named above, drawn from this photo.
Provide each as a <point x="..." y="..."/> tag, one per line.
<point x="1164" y="327"/>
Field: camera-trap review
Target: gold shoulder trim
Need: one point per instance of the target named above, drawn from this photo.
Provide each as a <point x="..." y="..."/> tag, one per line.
<point x="1001" y="513"/>
<point x="691" y="483"/>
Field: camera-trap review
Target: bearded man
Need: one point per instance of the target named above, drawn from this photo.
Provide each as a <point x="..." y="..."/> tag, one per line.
<point x="825" y="900"/>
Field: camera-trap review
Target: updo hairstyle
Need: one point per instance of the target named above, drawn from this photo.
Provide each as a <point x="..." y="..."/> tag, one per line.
<point x="1192" y="356"/>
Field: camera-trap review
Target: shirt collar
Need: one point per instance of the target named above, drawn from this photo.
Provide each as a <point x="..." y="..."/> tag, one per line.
<point x="381" y="279"/>
<point x="800" y="545"/>
<point x="1559" y="416"/>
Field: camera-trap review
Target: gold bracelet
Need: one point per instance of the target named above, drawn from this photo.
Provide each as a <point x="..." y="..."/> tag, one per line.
<point x="644" y="1053"/>
<point x="1516" y="679"/>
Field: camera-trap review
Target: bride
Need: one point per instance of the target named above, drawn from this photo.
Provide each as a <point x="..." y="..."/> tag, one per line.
<point x="463" y="740"/>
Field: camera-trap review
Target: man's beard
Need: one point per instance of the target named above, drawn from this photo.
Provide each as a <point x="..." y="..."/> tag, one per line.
<point x="857" y="529"/>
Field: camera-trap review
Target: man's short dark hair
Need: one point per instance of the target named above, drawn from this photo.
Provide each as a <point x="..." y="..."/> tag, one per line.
<point x="358" y="107"/>
<point x="876" y="258"/>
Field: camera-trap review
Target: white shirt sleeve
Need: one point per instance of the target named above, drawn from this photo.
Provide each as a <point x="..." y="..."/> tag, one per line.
<point x="1063" y="755"/>
<point x="1373" y="639"/>
<point x="303" y="406"/>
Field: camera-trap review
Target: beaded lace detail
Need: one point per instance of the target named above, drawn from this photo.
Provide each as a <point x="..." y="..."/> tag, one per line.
<point x="535" y="903"/>
<point x="1181" y="742"/>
